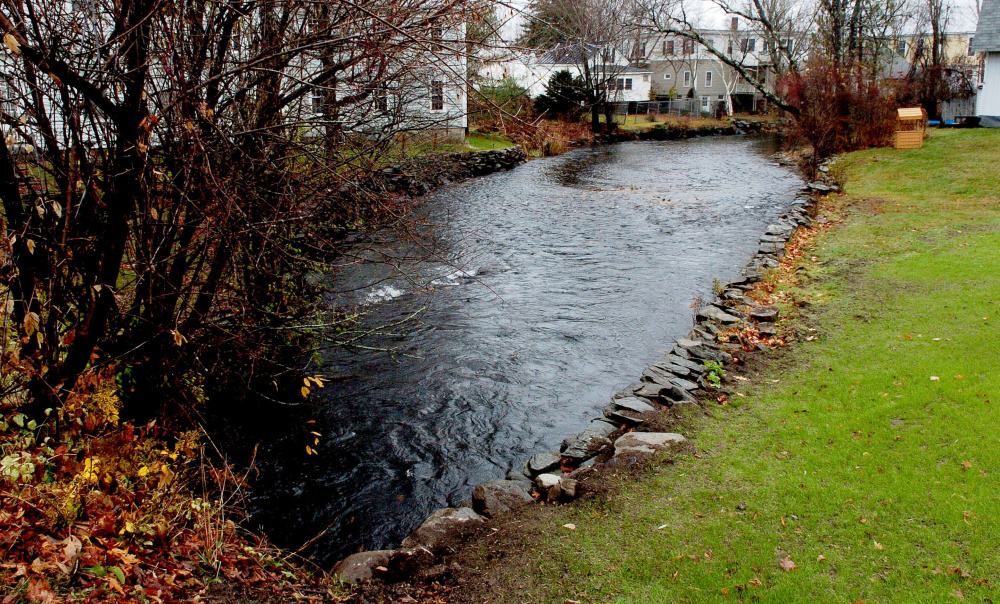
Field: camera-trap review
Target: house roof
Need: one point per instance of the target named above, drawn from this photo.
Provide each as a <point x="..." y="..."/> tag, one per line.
<point x="988" y="32"/>
<point x="569" y="54"/>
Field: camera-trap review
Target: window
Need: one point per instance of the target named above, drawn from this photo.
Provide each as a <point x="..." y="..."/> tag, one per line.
<point x="901" y="48"/>
<point x="708" y="79"/>
<point x="722" y="97"/>
<point x="628" y="83"/>
<point x="789" y="45"/>
<point x="317" y="100"/>
<point x="704" y="102"/>
<point x="710" y="42"/>
<point x="437" y="96"/>
<point x="645" y="78"/>
<point x="968" y="51"/>
<point x="730" y="49"/>
<point x="734" y="24"/>
<point x="437" y="35"/>
<point x="668" y="48"/>
<point x="688" y="47"/>
<point x="382" y="100"/>
<point x="666" y="76"/>
<point x="687" y="78"/>
<point x="748" y="44"/>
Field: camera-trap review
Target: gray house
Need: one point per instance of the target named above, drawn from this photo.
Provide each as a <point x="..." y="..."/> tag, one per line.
<point x="987" y="41"/>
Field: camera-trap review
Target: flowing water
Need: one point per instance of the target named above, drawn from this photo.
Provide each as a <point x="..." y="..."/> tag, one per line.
<point x="539" y="293"/>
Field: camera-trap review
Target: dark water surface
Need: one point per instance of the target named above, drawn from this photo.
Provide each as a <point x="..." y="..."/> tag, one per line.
<point x="543" y="290"/>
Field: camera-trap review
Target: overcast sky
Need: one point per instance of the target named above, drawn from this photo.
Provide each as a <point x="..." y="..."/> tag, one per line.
<point x="963" y="17"/>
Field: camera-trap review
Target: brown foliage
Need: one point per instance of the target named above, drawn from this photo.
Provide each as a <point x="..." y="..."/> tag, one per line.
<point x="839" y="110"/>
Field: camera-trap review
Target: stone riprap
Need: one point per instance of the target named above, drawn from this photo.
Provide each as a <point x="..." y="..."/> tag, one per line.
<point x="673" y="381"/>
<point x="421" y="175"/>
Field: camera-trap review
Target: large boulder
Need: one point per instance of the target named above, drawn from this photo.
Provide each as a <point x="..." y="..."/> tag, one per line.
<point x="442" y="528"/>
<point x="495" y="497"/>
<point x="645" y="443"/>
<point x="362" y="566"/>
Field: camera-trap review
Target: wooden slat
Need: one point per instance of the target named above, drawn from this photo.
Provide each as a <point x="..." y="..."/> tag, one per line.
<point x="909" y="140"/>
<point x="910" y="113"/>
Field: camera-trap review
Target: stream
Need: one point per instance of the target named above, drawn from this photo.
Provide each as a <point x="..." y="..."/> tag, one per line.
<point x="523" y="303"/>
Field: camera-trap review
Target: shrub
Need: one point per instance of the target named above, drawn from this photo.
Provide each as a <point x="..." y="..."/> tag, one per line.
<point x="838" y="110"/>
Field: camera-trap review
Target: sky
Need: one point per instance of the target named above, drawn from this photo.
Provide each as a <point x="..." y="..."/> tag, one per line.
<point x="963" y="17"/>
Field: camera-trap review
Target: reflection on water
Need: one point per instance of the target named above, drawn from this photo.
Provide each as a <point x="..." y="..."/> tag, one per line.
<point x="544" y="290"/>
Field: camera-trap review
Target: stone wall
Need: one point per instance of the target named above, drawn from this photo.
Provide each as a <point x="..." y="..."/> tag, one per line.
<point x="420" y="175"/>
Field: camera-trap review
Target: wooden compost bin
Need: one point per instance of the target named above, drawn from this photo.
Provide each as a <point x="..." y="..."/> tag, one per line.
<point x="911" y="123"/>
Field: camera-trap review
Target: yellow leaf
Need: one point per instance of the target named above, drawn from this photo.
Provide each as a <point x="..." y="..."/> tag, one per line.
<point x="304" y="391"/>
<point x="143" y="471"/>
<point x="305" y="381"/>
<point x="309" y="450"/>
<point x="12" y="43"/>
<point x="30" y="245"/>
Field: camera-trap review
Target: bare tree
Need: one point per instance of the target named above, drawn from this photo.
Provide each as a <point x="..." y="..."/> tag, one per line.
<point x="164" y="168"/>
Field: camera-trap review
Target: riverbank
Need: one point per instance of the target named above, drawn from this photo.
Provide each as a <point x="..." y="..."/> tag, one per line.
<point x="802" y="485"/>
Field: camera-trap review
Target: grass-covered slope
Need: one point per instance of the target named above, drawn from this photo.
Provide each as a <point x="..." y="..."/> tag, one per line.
<point x="866" y="468"/>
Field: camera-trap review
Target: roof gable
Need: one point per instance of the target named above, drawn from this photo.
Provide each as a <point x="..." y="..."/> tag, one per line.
<point x="988" y="32"/>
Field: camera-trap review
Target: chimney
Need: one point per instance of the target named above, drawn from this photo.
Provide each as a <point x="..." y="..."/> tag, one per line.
<point x="735" y="24"/>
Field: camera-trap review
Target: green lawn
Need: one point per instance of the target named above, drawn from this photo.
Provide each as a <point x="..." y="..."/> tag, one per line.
<point x="870" y="460"/>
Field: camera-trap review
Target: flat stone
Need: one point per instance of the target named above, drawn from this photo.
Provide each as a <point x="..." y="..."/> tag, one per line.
<point x="779" y="229"/>
<point x="519" y="476"/>
<point x="776" y="249"/>
<point x="645" y="443"/>
<point x="542" y="463"/>
<point x="361" y="566"/>
<point x="590" y="442"/>
<point x="694" y="366"/>
<point x="667" y="370"/>
<point x="627" y="410"/>
<point x="632" y="404"/>
<point x="441" y="527"/>
<point x="716" y="314"/>
<point x="494" y="497"/>
<point x="684" y="384"/>
<point x="764" y="314"/>
<point x="767" y="329"/>
<point x="547" y="481"/>
<point x="773" y="239"/>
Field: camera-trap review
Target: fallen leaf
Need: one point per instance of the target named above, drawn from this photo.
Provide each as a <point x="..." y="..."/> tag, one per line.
<point x="821" y="558"/>
<point x="570" y="526"/>
<point x="958" y="594"/>
<point x="877" y="544"/>
<point x="984" y="472"/>
<point x="966" y="465"/>
<point x="862" y="520"/>
<point x="934" y="378"/>
<point x="787" y="565"/>
<point x="39" y="591"/>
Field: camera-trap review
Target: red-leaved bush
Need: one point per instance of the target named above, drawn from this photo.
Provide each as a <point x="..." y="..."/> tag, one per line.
<point x="839" y="110"/>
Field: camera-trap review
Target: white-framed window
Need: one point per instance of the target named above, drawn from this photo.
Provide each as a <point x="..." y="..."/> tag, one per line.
<point x="748" y="45"/>
<point x="628" y="83"/>
<point x="437" y="95"/>
<point x="688" y="47"/>
<point x="708" y="79"/>
<point x="645" y="78"/>
<point x="687" y="78"/>
<point x="668" y="48"/>
<point x="722" y="97"/>
<point x="790" y="45"/>
<point x="316" y="100"/>
<point x="901" y="48"/>
<point x="667" y="77"/>
<point x="704" y="102"/>
<point x="968" y="51"/>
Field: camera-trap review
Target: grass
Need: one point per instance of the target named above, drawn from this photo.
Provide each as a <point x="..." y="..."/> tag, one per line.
<point x="869" y="458"/>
